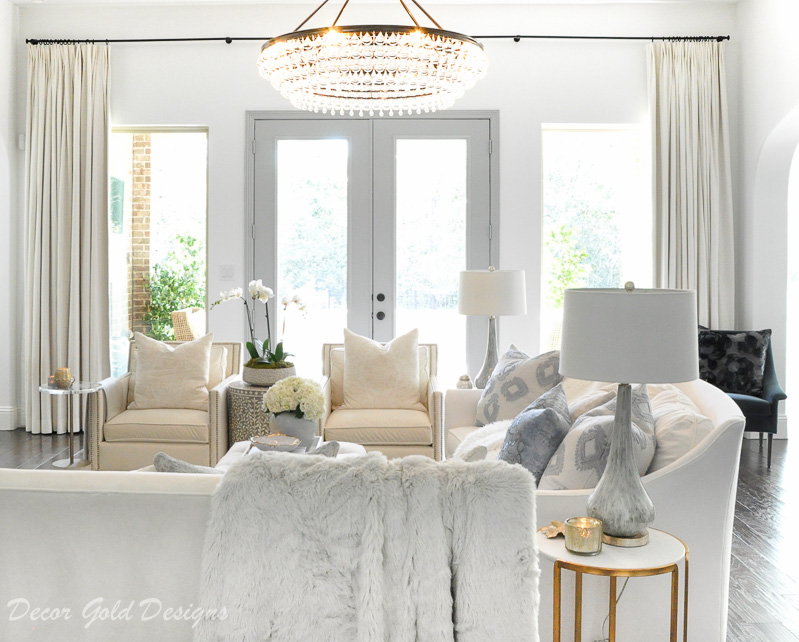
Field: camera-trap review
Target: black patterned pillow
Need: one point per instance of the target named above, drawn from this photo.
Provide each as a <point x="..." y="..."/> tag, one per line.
<point x="516" y="382"/>
<point x="733" y="360"/>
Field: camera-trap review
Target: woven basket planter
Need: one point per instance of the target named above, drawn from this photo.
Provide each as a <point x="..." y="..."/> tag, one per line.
<point x="266" y="376"/>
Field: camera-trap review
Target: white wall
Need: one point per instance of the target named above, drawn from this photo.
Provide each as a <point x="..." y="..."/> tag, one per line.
<point x="9" y="314"/>
<point x="769" y="136"/>
<point x="530" y="83"/>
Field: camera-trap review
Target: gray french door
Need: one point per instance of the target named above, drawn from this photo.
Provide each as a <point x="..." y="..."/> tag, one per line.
<point x="370" y="221"/>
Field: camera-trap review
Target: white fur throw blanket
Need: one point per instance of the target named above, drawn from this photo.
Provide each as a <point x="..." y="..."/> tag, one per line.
<point x="365" y="549"/>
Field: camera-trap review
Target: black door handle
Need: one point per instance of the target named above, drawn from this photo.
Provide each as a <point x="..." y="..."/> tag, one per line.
<point x="381" y="316"/>
<point x="381" y="297"/>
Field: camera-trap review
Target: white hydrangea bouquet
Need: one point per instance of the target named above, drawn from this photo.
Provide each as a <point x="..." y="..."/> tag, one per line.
<point x="297" y="395"/>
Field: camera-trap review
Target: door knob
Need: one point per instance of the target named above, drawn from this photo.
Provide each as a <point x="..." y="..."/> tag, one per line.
<point x="381" y="297"/>
<point x="381" y="316"/>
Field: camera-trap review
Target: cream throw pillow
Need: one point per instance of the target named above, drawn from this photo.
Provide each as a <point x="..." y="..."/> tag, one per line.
<point x="381" y="375"/>
<point x="169" y="377"/>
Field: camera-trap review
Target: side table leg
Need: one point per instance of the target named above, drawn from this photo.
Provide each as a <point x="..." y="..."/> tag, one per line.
<point x="612" y="614"/>
<point x="578" y="606"/>
<point x="556" y="604"/>
<point x="685" y="605"/>
<point x="675" y="590"/>
<point x="71" y="431"/>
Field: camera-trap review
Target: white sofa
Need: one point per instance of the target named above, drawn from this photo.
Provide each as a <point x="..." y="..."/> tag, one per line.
<point x="694" y="499"/>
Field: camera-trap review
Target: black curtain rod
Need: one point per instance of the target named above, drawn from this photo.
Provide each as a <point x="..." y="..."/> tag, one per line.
<point x="229" y="39"/>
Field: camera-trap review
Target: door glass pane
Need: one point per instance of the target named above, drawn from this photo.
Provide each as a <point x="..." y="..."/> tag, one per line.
<point x="431" y="211"/>
<point x="311" y="246"/>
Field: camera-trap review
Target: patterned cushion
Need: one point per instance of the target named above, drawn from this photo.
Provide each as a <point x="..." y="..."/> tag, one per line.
<point x="536" y="433"/>
<point x="580" y="460"/>
<point x="516" y="382"/>
<point x="734" y="360"/>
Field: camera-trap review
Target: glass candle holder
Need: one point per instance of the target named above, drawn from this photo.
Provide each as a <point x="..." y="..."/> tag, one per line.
<point x="583" y="535"/>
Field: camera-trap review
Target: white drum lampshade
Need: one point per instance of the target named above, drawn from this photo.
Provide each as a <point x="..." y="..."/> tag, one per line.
<point x="638" y="336"/>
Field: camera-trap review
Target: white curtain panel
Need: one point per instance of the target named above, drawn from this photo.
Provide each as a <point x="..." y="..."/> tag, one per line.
<point x="66" y="243"/>
<point x="693" y="223"/>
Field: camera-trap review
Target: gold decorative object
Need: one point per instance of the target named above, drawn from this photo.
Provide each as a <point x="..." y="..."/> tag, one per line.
<point x="583" y="535"/>
<point x="63" y="378"/>
<point x="554" y="529"/>
<point x="372" y="69"/>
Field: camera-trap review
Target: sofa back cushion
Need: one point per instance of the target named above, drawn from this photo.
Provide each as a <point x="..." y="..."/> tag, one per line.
<point x="169" y="377"/>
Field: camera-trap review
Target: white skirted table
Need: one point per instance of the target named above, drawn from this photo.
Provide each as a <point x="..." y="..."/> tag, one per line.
<point x="76" y="388"/>
<point x="661" y="555"/>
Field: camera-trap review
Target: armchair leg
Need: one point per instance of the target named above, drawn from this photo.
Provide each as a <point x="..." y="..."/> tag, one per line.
<point x="760" y="440"/>
<point x="770" y="437"/>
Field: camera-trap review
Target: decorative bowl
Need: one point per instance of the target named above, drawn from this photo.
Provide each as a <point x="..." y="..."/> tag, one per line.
<point x="275" y="441"/>
<point x="266" y="376"/>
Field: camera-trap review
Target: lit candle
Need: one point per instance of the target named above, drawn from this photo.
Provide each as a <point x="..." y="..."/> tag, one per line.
<point x="583" y="535"/>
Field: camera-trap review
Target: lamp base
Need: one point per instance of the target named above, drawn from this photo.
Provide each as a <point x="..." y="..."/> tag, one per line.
<point x="492" y="356"/>
<point x="626" y="542"/>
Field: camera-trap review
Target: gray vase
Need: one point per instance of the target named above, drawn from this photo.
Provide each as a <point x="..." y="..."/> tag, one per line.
<point x="288" y="424"/>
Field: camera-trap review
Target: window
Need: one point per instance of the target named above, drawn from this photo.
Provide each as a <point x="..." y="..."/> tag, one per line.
<point x="597" y="223"/>
<point x="157" y="229"/>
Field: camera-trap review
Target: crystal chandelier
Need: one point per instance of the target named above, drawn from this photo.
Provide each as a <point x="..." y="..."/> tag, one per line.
<point x="372" y="69"/>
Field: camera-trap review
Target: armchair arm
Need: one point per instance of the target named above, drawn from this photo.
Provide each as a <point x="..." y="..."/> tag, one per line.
<point x="104" y="405"/>
<point x="435" y="406"/>
<point x="217" y="420"/>
<point x="460" y="407"/>
<point x="327" y="391"/>
<point x="772" y="390"/>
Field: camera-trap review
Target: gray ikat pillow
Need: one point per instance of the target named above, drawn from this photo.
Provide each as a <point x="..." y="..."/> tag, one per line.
<point x="516" y="382"/>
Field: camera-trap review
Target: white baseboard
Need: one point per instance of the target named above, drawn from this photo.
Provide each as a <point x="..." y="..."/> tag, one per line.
<point x="8" y="418"/>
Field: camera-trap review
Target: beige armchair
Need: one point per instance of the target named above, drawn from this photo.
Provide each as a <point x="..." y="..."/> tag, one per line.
<point x="394" y="432"/>
<point x="126" y="439"/>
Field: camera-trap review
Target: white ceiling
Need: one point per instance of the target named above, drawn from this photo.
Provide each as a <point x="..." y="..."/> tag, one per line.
<point x="174" y="2"/>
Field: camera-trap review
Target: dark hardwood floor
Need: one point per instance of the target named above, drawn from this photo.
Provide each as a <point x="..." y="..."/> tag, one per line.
<point x="764" y="584"/>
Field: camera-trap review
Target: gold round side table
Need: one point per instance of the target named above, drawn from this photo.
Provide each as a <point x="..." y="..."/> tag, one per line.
<point x="246" y="415"/>
<point x="661" y="555"/>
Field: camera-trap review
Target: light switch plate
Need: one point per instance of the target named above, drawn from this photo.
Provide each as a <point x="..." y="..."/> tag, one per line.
<point x="227" y="272"/>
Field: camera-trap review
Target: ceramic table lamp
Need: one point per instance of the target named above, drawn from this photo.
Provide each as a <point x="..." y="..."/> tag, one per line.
<point x="627" y="336"/>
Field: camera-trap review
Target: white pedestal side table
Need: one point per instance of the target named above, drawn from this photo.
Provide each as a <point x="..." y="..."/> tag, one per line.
<point x="661" y="555"/>
<point x="77" y="388"/>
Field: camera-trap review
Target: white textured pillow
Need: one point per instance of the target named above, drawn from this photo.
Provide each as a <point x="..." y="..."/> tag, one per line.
<point x="580" y="459"/>
<point x="679" y="426"/>
<point x="517" y="381"/>
<point x="378" y="375"/>
<point x="216" y="368"/>
<point x="169" y="377"/>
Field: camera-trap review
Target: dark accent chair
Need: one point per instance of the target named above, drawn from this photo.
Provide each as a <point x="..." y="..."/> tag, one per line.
<point x="762" y="412"/>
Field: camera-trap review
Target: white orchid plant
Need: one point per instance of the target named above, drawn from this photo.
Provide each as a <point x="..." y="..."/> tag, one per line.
<point x="301" y="397"/>
<point x="262" y="356"/>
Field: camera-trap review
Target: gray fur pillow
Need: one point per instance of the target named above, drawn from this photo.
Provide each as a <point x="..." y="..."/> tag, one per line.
<point x="167" y="464"/>
<point x="516" y="382"/>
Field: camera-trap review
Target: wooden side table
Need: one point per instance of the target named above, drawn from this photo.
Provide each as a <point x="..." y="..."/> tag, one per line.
<point x="246" y="415"/>
<point x="662" y="555"/>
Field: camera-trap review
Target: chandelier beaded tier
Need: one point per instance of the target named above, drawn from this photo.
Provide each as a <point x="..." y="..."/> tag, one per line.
<point x="372" y="69"/>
